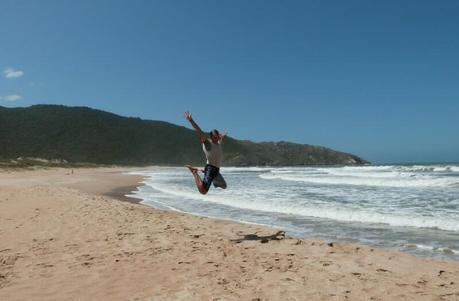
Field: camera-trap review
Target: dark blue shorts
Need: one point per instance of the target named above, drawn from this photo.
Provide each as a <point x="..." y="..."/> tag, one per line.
<point x="212" y="174"/>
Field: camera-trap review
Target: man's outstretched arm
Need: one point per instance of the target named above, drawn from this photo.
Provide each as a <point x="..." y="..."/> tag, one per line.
<point x="188" y="117"/>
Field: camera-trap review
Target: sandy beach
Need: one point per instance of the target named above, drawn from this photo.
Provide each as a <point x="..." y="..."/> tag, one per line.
<point x="74" y="236"/>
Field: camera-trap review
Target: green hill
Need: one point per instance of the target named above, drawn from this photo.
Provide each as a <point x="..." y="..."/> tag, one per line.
<point x="81" y="134"/>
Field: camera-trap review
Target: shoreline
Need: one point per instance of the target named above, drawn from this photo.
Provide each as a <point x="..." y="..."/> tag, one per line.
<point x="442" y="249"/>
<point x="62" y="237"/>
<point x="119" y="193"/>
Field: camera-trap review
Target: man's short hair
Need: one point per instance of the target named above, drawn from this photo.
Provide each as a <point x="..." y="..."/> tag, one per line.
<point x="214" y="132"/>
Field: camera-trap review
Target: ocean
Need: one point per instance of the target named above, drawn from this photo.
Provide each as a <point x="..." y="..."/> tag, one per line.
<point x="412" y="208"/>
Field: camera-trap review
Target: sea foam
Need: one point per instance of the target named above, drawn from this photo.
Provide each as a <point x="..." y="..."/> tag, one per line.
<point x="412" y="204"/>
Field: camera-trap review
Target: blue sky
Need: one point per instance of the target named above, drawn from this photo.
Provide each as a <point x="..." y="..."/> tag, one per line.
<point x="376" y="78"/>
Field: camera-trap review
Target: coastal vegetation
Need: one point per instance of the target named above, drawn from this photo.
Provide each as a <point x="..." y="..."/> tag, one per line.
<point x="62" y="135"/>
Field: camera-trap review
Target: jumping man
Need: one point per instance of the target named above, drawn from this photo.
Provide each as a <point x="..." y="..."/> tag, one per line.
<point x="213" y="151"/>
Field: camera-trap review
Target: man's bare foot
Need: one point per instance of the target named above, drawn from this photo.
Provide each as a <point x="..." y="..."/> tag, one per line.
<point x="192" y="168"/>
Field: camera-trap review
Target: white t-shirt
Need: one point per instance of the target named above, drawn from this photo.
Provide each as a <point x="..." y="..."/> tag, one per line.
<point x="213" y="152"/>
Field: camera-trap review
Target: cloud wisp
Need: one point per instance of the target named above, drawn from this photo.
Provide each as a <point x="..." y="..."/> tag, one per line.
<point x="13" y="97"/>
<point x="13" y="73"/>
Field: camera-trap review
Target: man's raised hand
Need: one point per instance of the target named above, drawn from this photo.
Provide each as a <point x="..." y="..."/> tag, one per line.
<point x="188" y="116"/>
<point x="223" y="135"/>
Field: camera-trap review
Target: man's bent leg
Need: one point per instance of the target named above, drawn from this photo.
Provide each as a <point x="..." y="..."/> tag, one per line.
<point x="219" y="181"/>
<point x="202" y="189"/>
